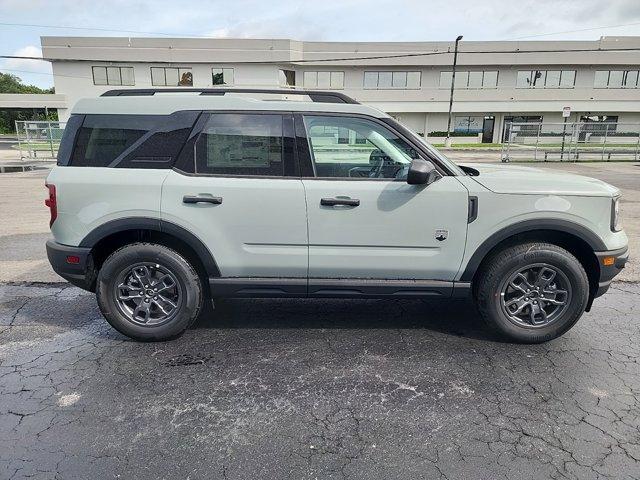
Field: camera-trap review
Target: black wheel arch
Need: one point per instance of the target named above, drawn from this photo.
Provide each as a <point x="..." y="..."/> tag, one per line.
<point x="112" y="235"/>
<point x="577" y="239"/>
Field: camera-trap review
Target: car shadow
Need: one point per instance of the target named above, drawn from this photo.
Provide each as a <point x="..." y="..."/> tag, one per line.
<point x="459" y="318"/>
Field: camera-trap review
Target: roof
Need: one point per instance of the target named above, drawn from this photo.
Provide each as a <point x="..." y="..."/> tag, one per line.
<point x="167" y="103"/>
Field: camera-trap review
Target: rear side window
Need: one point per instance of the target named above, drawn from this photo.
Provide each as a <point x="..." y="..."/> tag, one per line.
<point x="241" y="144"/>
<point x="102" y="138"/>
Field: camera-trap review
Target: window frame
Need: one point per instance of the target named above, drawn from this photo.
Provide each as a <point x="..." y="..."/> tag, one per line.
<point x="222" y="68"/>
<point x="316" y="75"/>
<point x="304" y="154"/>
<point x="391" y="75"/>
<point x="164" y="72"/>
<point x="186" y="162"/>
<point x="106" y="73"/>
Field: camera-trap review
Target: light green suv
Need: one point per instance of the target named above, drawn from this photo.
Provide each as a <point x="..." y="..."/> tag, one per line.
<point x="161" y="200"/>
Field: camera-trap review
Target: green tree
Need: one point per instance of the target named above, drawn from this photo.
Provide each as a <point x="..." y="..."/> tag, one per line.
<point x="13" y="84"/>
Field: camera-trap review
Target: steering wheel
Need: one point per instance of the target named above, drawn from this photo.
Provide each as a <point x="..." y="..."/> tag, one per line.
<point x="377" y="160"/>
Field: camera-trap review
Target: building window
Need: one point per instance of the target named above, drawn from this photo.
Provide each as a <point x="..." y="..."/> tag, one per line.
<point x="392" y="80"/>
<point x="113" y="75"/>
<point x="546" y="79"/>
<point x="221" y="76"/>
<point x="598" y="125"/>
<point x="616" y="79"/>
<point x="332" y="80"/>
<point x="470" y="79"/>
<point x="287" y="78"/>
<point x="171" y="77"/>
<point x="470" y="124"/>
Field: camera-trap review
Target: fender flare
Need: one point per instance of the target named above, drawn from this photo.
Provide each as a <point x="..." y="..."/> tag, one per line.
<point x="157" y="225"/>
<point x="556" y="225"/>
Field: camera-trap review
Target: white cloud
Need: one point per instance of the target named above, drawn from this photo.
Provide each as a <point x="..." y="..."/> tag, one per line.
<point x="38" y="66"/>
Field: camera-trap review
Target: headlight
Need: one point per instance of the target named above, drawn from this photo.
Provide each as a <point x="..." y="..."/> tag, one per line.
<point x="616" y="223"/>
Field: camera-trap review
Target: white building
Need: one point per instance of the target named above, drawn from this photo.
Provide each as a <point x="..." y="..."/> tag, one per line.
<point x="598" y="80"/>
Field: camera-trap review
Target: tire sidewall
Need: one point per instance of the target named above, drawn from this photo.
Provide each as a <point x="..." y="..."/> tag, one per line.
<point x="561" y="260"/>
<point x="130" y="255"/>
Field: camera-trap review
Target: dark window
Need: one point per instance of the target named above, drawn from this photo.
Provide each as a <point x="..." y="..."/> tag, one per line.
<point x="102" y="138"/>
<point x="241" y="144"/>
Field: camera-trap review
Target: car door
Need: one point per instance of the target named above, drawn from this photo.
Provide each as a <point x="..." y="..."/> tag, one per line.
<point x="242" y="196"/>
<point x="364" y="220"/>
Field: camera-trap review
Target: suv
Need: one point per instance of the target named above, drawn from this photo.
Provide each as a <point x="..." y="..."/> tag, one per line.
<point x="161" y="200"/>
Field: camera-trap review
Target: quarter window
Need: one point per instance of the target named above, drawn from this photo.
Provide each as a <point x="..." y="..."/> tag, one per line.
<point x="345" y="147"/>
<point x="392" y="80"/>
<point x="103" y="138"/>
<point x="222" y="76"/>
<point x="241" y="144"/>
<point x="171" y="77"/>
<point x="112" y="75"/>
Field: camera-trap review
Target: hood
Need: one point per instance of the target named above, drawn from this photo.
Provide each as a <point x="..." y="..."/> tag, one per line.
<point x="528" y="180"/>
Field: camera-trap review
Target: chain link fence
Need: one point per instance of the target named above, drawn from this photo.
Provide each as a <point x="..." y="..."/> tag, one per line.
<point x="571" y="141"/>
<point x="39" y="140"/>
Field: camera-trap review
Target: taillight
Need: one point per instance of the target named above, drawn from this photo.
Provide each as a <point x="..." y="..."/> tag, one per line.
<point x="52" y="203"/>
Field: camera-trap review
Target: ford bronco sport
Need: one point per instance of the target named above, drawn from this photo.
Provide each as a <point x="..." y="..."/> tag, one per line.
<point x="161" y="200"/>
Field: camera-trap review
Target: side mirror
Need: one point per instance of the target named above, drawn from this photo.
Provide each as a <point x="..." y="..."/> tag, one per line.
<point x="421" y="172"/>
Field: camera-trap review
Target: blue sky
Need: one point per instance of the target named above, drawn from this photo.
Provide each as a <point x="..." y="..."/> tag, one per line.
<point x="328" y="20"/>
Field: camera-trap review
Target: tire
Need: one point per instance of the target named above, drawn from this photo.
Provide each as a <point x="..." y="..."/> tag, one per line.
<point x="516" y="317"/>
<point x="142" y="313"/>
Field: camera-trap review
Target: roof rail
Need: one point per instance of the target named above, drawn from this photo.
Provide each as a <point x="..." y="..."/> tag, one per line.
<point x="318" y="96"/>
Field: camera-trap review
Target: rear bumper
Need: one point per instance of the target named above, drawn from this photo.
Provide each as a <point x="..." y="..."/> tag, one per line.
<point x="74" y="264"/>
<point x="609" y="272"/>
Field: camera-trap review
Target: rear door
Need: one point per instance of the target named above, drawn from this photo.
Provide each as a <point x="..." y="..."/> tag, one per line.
<point x="365" y="221"/>
<point x="238" y="190"/>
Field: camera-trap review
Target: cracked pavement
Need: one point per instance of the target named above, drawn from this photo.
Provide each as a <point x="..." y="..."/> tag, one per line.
<point x="308" y="389"/>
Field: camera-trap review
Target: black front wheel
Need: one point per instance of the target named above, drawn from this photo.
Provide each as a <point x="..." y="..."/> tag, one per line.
<point x="148" y="292"/>
<point x="532" y="292"/>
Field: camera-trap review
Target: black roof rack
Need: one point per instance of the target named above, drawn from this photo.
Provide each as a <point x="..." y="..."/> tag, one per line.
<point x="315" y="95"/>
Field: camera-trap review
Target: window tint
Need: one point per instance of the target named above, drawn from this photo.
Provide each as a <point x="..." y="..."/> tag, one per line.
<point x="347" y="147"/>
<point x="241" y="144"/>
<point x="102" y="138"/>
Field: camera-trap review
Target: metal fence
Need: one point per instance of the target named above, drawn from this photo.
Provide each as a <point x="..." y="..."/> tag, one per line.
<point x="39" y="140"/>
<point x="574" y="142"/>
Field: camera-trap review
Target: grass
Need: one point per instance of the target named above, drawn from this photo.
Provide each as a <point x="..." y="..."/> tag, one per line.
<point x="37" y="146"/>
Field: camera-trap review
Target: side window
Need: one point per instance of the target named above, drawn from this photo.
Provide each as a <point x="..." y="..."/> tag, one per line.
<point x="241" y="144"/>
<point x="347" y="147"/>
<point x="102" y="138"/>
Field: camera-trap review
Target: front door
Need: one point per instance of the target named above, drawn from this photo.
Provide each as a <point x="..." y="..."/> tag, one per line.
<point x="487" y="129"/>
<point x="364" y="220"/>
<point x="241" y="199"/>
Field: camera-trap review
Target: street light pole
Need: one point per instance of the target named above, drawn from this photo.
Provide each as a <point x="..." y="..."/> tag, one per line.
<point x="453" y="79"/>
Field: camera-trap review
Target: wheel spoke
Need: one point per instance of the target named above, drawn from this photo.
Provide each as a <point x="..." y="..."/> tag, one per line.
<point x="141" y="312"/>
<point x="143" y="275"/>
<point x="165" y="282"/>
<point x="535" y="295"/>
<point x="164" y="304"/>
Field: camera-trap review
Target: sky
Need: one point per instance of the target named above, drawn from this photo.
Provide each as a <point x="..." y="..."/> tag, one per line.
<point x="326" y="20"/>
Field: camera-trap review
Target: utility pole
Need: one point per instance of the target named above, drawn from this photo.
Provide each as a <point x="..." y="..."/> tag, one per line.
<point x="447" y="142"/>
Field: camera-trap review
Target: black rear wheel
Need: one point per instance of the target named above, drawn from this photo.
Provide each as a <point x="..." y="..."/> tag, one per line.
<point x="532" y="292"/>
<point x="149" y="292"/>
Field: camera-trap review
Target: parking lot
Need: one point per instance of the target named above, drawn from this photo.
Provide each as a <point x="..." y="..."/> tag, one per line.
<point x="309" y="388"/>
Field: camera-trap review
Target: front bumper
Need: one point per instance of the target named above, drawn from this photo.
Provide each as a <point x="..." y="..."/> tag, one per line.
<point x="74" y="264"/>
<point x="616" y="262"/>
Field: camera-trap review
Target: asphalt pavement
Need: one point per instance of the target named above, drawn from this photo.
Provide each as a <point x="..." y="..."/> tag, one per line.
<point x="309" y="389"/>
<point x="322" y="389"/>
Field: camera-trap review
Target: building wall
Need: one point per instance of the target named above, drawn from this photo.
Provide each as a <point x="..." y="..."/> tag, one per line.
<point x="423" y="109"/>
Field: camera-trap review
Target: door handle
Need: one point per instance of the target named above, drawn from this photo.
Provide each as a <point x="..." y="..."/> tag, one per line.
<point x="201" y="199"/>
<point x="331" y="202"/>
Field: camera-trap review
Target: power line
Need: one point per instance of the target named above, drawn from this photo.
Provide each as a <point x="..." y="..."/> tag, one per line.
<point x="574" y="31"/>
<point x="98" y="29"/>
<point x="372" y="57"/>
